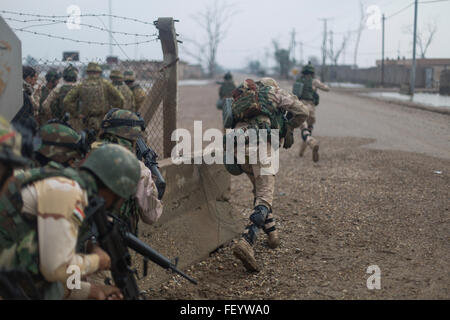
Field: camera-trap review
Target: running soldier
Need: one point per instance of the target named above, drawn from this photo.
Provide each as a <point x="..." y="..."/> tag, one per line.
<point x="128" y="96"/>
<point x="88" y="101"/>
<point x="305" y="89"/>
<point x="138" y="92"/>
<point x="262" y="105"/>
<point x="225" y="90"/>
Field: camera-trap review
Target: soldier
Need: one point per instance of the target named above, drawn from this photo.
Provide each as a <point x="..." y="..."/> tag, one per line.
<point x="124" y="127"/>
<point x="225" y="90"/>
<point x="285" y="112"/>
<point x="42" y="211"/>
<point x="128" y="96"/>
<point x="53" y="106"/>
<point x="138" y="92"/>
<point x="310" y="97"/>
<point x="61" y="144"/>
<point x="88" y="101"/>
<point x="52" y="77"/>
<point x="27" y="115"/>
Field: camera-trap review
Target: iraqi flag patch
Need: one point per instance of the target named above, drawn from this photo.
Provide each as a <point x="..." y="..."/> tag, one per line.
<point x="79" y="214"/>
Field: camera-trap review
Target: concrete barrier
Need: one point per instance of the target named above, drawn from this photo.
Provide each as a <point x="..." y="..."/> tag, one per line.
<point x="196" y="220"/>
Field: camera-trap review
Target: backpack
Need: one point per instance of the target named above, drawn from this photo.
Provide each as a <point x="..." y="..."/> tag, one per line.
<point x="251" y="99"/>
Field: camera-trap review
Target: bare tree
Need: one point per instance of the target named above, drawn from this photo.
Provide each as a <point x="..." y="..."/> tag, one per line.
<point x="424" y="39"/>
<point x="361" y="27"/>
<point x="334" y="56"/>
<point x="214" y="22"/>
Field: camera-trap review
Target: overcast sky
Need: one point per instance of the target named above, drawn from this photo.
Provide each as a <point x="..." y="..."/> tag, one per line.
<point x="252" y="28"/>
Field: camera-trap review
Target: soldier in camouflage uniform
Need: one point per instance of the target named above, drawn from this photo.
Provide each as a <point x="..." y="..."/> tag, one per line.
<point x="310" y="98"/>
<point x="287" y="113"/>
<point x="88" y="101"/>
<point x="42" y="211"/>
<point x="59" y="143"/>
<point x="128" y="96"/>
<point x="53" y="107"/>
<point x="225" y="90"/>
<point x="138" y="92"/>
<point x="124" y="127"/>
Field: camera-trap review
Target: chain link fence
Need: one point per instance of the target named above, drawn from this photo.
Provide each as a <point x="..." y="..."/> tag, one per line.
<point x="148" y="75"/>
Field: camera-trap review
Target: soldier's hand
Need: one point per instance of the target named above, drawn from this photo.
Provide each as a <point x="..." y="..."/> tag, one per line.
<point x="104" y="292"/>
<point x="104" y="259"/>
<point x="289" y="139"/>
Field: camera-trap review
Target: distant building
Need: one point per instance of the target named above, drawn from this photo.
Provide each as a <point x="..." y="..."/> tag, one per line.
<point x="189" y="71"/>
<point x="431" y="68"/>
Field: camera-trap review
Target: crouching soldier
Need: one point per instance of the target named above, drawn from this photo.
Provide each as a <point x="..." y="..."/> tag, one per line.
<point x="41" y="212"/>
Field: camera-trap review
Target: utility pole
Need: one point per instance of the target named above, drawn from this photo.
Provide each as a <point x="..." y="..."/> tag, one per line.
<point x="382" y="53"/>
<point x="413" y="67"/>
<point x="292" y="48"/>
<point x="301" y="52"/>
<point x="324" y="50"/>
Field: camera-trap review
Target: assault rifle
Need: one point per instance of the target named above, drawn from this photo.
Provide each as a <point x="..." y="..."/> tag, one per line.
<point x="148" y="156"/>
<point x="113" y="236"/>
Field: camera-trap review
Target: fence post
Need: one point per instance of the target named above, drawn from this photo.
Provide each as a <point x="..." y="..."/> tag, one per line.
<point x="169" y="45"/>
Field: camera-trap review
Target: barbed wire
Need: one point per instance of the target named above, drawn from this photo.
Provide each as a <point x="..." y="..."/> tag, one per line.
<point x="85" y="41"/>
<point x="81" y="15"/>
<point x="53" y="21"/>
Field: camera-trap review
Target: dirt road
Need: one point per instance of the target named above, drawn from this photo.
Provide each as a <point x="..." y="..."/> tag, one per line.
<point x="378" y="196"/>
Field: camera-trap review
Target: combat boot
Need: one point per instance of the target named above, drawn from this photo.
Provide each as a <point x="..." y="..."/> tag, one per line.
<point x="273" y="240"/>
<point x="314" y="144"/>
<point x="244" y="252"/>
<point x="302" y="149"/>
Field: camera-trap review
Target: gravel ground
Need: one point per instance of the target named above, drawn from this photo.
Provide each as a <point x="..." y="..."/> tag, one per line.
<point x="355" y="208"/>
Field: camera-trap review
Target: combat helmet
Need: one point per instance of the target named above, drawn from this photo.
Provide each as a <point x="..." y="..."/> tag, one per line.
<point x="10" y="145"/>
<point x="116" y="167"/>
<point x="70" y="73"/>
<point x="129" y="75"/>
<point x="116" y="75"/>
<point x="52" y="75"/>
<point x="93" y="67"/>
<point x="228" y="76"/>
<point x="60" y="143"/>
<point x="122" y="123"/>
<point x="308" y="69"/>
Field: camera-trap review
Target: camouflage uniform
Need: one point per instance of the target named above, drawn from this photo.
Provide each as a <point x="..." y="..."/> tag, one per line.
<point x="59" y="143"/>
<point x="53" y="106"/>
<point x="138" y="92"/>
<point x="128" y="96"/>
<point x="310" y="98"/>
<point x="262" y="174"/>
<point x="145" y="204"/>
<point x="43" y="211"/>
<point x="52" y="77"/>
<point x="88" y="101"/>
<point x="225" y="90"/>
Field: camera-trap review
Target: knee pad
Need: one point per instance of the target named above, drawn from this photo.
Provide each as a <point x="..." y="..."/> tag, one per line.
<point x="259" y="216"/>
<point x="270" y="219"/>
<point x="306" y="133"/>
